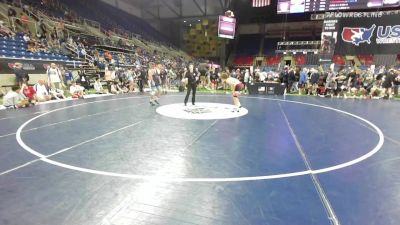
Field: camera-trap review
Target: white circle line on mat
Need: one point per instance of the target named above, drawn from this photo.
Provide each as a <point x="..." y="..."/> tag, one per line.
<point x="205" y="179"/>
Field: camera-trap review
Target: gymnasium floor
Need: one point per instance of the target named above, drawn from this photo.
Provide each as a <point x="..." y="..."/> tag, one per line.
<point x="115" y="160"/>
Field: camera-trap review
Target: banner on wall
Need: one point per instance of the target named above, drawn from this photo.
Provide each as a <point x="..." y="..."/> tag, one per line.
<point x="31" y="67"/>
<point x="328" y="40"/>
<point x="361" y="33"/>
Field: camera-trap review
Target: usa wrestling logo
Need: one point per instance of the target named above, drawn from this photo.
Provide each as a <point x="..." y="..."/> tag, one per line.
<point x="358" y="35"/>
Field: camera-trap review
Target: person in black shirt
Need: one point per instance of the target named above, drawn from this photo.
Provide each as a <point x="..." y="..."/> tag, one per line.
<point x="191" y="84"/>
<point x="388" y="83"/>
<point x="214" y="79"/>
<point x="20" y="74"/>
<point x="141" y="79"/>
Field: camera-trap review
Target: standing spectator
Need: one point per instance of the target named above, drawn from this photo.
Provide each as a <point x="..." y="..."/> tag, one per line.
<point x="11" y="12"/>
<point x="388" y="83"/>
<point x="247" y="79"/>
<point x="24" y="21"/>
<point x="54" y="76"/>
<point x="291" y="80"/>
<point x="43" y="28"/>
<point x="284" y="77"/>
<point x="303" y="80"/>
<point x="214" y="79"/>
<point x="20" y="74"/>
<point x="314" y="78"/>
<point x="130" y="76"/>
<point x="152" y="78"/>
<point x="141" y="78"/>
<point x="396" y="83"/>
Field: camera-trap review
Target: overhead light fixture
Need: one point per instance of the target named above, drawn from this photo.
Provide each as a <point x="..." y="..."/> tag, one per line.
<point x="199" y="20"/>
<point x="190" y="25"/>
<point x="284" y="53"/>
<point x="184" y="21"/>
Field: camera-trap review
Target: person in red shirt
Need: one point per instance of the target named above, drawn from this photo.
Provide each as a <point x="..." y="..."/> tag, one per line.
<point x="29" y="92"/>
<point x="24" y="20"/>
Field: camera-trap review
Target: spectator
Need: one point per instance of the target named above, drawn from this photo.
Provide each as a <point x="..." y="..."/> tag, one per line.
<point x="43" y="28"/>
<point x="303" y="80"/>
<point x="5" y="31"/>
<point x="115" y="88"/>
<point x="284" y="77"/>
<point x="57" y="93"/>
<point x="54" y="76"/>
<point x="24" y="21"/>
<point x="291" y="80"/>
<point x="20" y="74"/>
<point x="11" y="12"/>
<point x="76" y="90"/>
<point x="68" y="77"/>
<point x="15" y="99"/>
<point x="83" y="79"/>
<point x="29" y="92"/>
<point x="99" y="87"/>
<point x="314" y="78"/>
<point x="42" y="93"/>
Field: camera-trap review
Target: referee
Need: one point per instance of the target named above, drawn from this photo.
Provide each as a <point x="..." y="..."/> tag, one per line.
<point x="191" y="77"/>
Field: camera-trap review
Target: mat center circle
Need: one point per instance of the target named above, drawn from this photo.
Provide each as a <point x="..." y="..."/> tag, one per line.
<point x="201" y="111"/>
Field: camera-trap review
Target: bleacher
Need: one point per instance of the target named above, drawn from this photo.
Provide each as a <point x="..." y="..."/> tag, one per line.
<point x="93" y="10"/>
<point x="16" y="48"/>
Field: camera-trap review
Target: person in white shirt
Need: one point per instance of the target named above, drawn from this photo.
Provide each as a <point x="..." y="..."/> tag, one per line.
<point x="76" y="90"/>
<point x="54" y="76"/>
<point x="26" y="38"/>
<point x="42" y="93"/>
<point x="15" y="99"/>
<point x="99" y="87"/>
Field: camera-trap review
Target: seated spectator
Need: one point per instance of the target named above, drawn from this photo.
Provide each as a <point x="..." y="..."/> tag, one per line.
<point x="24" y="20"/>
<point x="42" y="93"/>
<point x="29" y="92"/>
<point x="116" y="89"/>
<point x="5" y="31"/>
<point x="99" y="87"/>
<point x="83" y="79"/>
<point x="57" y="93"/>
<point x="26" y="38"/>
<point x="15" y="99"/>
<point x="76" y="90"/>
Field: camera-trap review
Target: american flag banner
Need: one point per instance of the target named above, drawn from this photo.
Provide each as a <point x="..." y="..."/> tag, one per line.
<point x="261" y="3"/>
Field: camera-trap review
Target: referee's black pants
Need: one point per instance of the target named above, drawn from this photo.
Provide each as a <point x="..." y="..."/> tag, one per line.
<point x="191" y="87"/>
